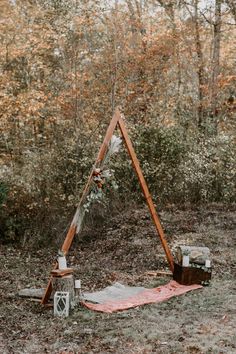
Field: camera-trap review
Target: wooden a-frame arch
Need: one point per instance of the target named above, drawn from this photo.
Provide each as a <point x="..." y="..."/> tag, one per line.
<point x="117" y="120"/>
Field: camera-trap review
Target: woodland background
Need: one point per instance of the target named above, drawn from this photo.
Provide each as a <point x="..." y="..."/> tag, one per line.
<point x="64" y="67"/>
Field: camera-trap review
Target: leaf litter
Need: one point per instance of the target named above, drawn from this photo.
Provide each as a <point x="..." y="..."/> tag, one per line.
<point x="126" y="249"/>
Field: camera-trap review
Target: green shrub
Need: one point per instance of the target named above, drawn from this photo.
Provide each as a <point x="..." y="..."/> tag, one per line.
<point x="40" y="197"/>
<point x="179" y="168"/>
<point x="208" y="171"/>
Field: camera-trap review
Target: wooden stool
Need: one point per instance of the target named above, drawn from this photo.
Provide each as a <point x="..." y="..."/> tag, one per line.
<point x="63" y="281"/>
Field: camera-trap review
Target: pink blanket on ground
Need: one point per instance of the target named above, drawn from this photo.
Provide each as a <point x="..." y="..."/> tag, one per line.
<point x="148" y="296"/>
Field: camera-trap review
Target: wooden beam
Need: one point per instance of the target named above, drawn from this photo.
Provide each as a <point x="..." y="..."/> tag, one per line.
<point x="109" y="133"/>
<point x="146" y="192"/>
<point x="48" y="290"/>
<point x="73" y="229"/>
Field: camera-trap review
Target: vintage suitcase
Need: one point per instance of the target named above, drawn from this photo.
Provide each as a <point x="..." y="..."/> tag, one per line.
<point x="193" y="265"/>
<point x="191" y="275"/>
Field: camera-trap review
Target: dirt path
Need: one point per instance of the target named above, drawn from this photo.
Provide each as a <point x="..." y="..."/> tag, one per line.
<point x="202" y="321"/>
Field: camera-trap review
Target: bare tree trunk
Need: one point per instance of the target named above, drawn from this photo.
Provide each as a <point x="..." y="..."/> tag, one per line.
<point x="200" y="66"/>
<point x="138" y="30"/>
<point x="215" y="60"/>
<point x="115" y="69"/>
<point x="169" y="7"/>
<point x="137" y="26"/>
<point x="232" y="6"/>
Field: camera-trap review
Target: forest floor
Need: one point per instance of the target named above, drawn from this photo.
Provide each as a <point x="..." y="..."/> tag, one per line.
<point x="125" y="249"/>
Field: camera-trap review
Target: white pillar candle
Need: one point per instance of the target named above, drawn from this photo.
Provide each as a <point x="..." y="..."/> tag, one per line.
<point x="185" y="262"/>
<point x="78" y="284"/>
<point x="62" y="263"/>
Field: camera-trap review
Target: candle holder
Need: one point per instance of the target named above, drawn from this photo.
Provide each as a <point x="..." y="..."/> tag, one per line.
<point x="61" y="303"/>
<point x="78" y="293"/>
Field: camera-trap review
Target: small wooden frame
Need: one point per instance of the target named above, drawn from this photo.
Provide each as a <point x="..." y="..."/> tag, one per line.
<point x="61" y="272"/>
<point x="117" y="120"/>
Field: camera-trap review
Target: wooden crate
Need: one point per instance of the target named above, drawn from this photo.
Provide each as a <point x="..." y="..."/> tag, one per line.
<point x="191" y="275"/>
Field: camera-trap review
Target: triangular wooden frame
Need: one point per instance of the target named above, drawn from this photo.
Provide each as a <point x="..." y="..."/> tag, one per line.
<point x="117" y="120"/>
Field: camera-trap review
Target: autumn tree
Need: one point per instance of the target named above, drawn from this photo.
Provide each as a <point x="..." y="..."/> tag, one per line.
<point x="65" y="65"/>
